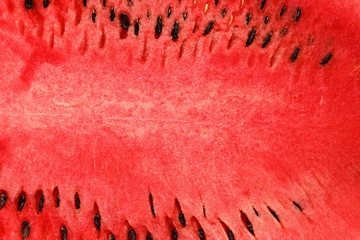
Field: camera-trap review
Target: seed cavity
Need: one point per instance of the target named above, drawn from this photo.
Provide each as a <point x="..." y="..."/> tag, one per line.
<point x="175" y="30"/>
<point x="273" y="213"/>
<point x="267" y="39"/>
<point x="266" y="20"/>
<point x="77" y="201"/>
<point x="149" y="237"/>
<point x="29" y="4"/>
<point x="326" y="59"/>
<point x="63" y="233"/>
<point x="283" y="32"/>
<point x="131" y="235"/>
<point x="25" y="230"/>
<point x="56" y="197"/>
<point x="174" y="234"/>
<point x="21" y="202"/>
<point x="247" y="223"/>
<point x="159" y="25"/>
<point x="297" y="205"/>
<point x="97" y="221"/>
<point x="283" y="9"/>
<point x="182" y="219"/>
<point x="136" y="28"/>
<point x="262" y="4"/>
<point x="223" y="12"/>
<point x="297" y="14"/>
<point x="201" y="234"/>
<point x="251" y="37"/>
<point x="227" y="230"/>
<point x="112" y="14"/>
<point x="294" y="56"/>
<point x="46" y="3"/>
<point x="208" y="28"/>
<point x="152" y="204"/>
<point x="3" y="199"/>
<point x="169" y="12"/>
<point x="248" y="18"/>
<point x="124" y="21"/>
<point x="111" y="237"/>
<point x="93" y="15"/>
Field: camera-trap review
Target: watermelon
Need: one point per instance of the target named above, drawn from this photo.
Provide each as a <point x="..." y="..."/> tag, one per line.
<point x="189" y="119"/>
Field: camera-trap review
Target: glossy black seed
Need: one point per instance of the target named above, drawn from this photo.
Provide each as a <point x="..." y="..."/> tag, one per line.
<point x="137" y="28"/>
<point x="97" y="221"/>
<point x="282" y="10"/>
<point x="248" y="18"/>
<point x="204" y="211"/>
<point x="149" y="237"/>
<point x="184" y="15"/>
<point x="159" y="25"/>
<point x="41" y="203"/>
<point x="175" y="31"/>
<point x="251" y="37"/>
<point x="174" y="234"/>
<point x="266" y="40"/>
<point x="262" y="4"/>
<point x="326" y="59"/>
<point x="93" y="15"/>
<point x="29" y="4"/>
<point x="124" y="21"/>
<point x="230" y="235"/>
<point x="46" y="3"/>
<point x="152" y="204"/>
<point x="247" y="223"/>
<point x="297" y="14"/>
<point x="85" y="3"/>
<point x="169" y="12"/>
<point x="25" y="230"/>
<point x="3" y="199"/>
<point x="201" y="234"/>
<point x="104" y="3"/>
<point x="283" y="32"/>
<point x="182" y="219"/>
<point x="293" y="58"/>
<point x="111" y="237"/>
<point x="63" y="233"/>
<point x="209" y="27"/>
<point x="21" y="202"/>
<point x="77" y="201"/>
<point x="112" y="14"/>
<point x="223" y="12"/>
<point x="266" y="20"/>
<point x="216" y="2"/>
<point x="297" y="205"/>
<point x="256" y="212"/>
<point x="131" y="235"/>
<point x="273" y="213"/>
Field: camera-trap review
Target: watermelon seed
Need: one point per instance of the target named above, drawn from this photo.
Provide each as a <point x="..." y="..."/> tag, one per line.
<point x="297" y="14"/>
<point x="251" y="37"/>
<point x="247" y="223"/>
<point x="29" y="4"/>
<point x="136" y="28"/>
<point x="41" y="203"/>
<point x="148" y="13"/>
<point x="21" y="202"/>
<point x="204" y="211"/>
<point x="111" y="237"/>
<point x="46" y="3"/>
<point x="97" y="221"/>
<point x="56" y="197"/>
<point x="326" y="59"/>
<point x="201" y="234"/>
<point x="124" y="21"/>
<point x="77" y="201"/>
<point x="209" y="27"/>
<point x="273" y="213"/>
<point x="149" y="237"/>
<point x="283" y="32"/>
<point x="175" y="30"/>
<point x="158" y="27"/>
<point x="85" y="3"/>
<point x="266" y="20"/>
<point x="152" y="204"/>
<point x="283" y="9"/>
<point x="112" y="14"/>
<point x="93" y="15"/>
<point x="216" y="2"/>
<point x="25" y="230"/>
<point x="256" y="212"/>
<point x="230" y="235"/>
<point x="131" y="235"/>
<point x="130" y="3"/>
<point x="228" y="231"/>
<point x="3" y="199"/>
<point x="169" y="12"/>
<point x="174" y="234"/>
<point x="297" y="205"/>
<point x="262" y="4"/>
<point x="223" y="12"/>
<point x="295" y="54"/>
<point x="182" y="219"/>
<point x="248" y="18"/>
<point x="104" y="3"/>
<point x="184" y="15"/>
<point x="266" y="40"/>
<point x="63" y="233"/>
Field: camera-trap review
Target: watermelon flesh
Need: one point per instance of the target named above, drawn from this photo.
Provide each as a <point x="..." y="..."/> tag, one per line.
<point x="208" y="135"/>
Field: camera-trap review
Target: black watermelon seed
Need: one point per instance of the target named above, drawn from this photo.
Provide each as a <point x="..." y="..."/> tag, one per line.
<point x="46" y="3"/>
<point x="175" y="31"/>
<point x="223" y="12"/>
<point x="182" y="219"/>
<point x="149" y="237"/>
<point x="248" y="18"/>
<point x="159" y="25"/>
<point x="293" y="58"/>
<point x="216" y="2"/>
<point x="63" y="233"/>
<point x="326" y="59"/>
<point x="21" y="202"/>
<point x="174" y="234"/>
<point x="3" y="199"/>
<point x="112" y="14"/>
<point x="251" y="37"/>
<point x="41" y="203"/>
<point x="77" y="201"/>
<point x="85" y="3"/>
<point x="297" y="205"/>
<point x="266" y="40"/>
<point x="282" y="10"/>
<point x="130" y="3"/>
<point x="104" y="3"/>
<point x="29" y="4"/>
<point x="204" y="211"/>
<point x="184" y="15"/>
<point x="201" y="234"/>
<point x="25" y="230"/>
<point x="131" y="235"/>
<point x="136" y="28"/>
<point x="169" y="12"/>
<point x="230" y="235"/>
<point x="152" y="204"/>
<point x="247" y="222"/>
<point x="270" y="210"/>
<point x="209" y="27"/>
<point x="124" y="21"/>
<point x="256" y="212"/>
<point x="266" y="20"/>
<point x="297" y="14"/>
<point x="93" y="15"/>
<point x="97" y="221"/>
<point x="111" y="237"/>
<point x="56" y="196"/>
<point x="262" y="4"/>
<point x="148" y="13"/>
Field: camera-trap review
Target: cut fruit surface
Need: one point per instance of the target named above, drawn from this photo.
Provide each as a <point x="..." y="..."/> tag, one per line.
<point x="179" y="119"/>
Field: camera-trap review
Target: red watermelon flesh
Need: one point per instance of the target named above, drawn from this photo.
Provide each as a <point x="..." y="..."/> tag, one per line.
<point x="179" y="119"/>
